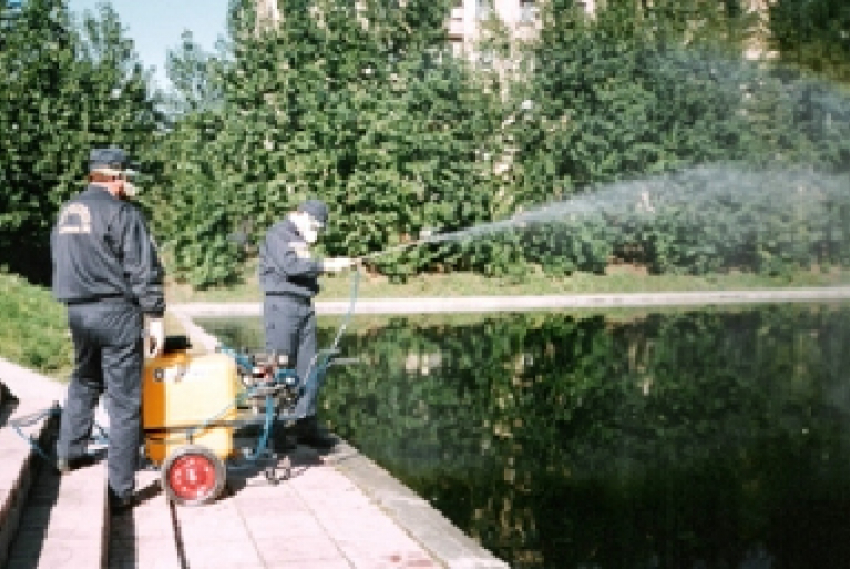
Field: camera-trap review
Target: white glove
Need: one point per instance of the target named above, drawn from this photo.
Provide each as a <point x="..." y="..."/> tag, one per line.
<point x="155" y="337"/>
<point x="337" y="264"/>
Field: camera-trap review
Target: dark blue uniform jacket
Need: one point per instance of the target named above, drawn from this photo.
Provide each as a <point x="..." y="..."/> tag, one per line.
<point x="101" y="248"/>
<point x="285" y="263"/>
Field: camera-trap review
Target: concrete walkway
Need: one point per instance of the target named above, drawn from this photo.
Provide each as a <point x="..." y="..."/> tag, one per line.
<point x="53" y="525"/>
<point x="332" y="512"/>
<point x="335" y="510"/>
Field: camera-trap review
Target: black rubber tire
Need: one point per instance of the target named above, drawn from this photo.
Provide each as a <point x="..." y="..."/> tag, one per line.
<point x="205" y="471"/>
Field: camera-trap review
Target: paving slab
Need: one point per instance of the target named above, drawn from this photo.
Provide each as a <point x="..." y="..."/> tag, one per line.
<point x="64" y="521"/>
<point x="59" y="521"/>
<point x="143" y="537"/>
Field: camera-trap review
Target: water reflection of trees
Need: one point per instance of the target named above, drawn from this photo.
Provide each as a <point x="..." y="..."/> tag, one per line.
<point x="562" y="441"/>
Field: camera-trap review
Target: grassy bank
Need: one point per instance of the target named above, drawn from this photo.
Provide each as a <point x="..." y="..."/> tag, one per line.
<point x="35" y="331"/>
<point x="624" y="279"/>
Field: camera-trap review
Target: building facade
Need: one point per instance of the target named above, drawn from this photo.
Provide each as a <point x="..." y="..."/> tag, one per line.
<point x="521" y="20"/>
<point x="471" y="23"/>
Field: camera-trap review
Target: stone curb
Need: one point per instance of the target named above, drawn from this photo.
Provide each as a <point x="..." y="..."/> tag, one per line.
<point x="17" y="472"/>
<point x="484" y="304"/>
<point x="413" y="514"/>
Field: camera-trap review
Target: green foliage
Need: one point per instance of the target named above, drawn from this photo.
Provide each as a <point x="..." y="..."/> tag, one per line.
<point x="700" y="221"/>
<point x="191" y="208"/>
<point x="616" y="98"/>
<point x="196" y="77"/>
<point x="630" y="95"/>
<point x="358" y="106"/>
<point x="814" y="35"/>
<point x="64" y="92"/>
<point x="35" y="330"/>
<point x="362" y="105"/>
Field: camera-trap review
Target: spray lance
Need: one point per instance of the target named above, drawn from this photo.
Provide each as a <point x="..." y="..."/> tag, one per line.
<point x="431" y="236"/>
<point x="426" y="236"/>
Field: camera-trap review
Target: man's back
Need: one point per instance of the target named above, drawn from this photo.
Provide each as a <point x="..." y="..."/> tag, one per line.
<point x="100" y="248"/>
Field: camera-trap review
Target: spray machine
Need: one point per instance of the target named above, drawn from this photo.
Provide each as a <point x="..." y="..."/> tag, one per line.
<point x="193" y="404"/>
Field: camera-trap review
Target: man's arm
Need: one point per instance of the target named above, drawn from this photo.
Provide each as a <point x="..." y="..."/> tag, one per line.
<point x="291" y="257"/>
<point x="142" y="266"/>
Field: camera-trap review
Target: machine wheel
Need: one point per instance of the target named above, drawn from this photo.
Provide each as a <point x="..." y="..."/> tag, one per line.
<point x="193" y="475"/>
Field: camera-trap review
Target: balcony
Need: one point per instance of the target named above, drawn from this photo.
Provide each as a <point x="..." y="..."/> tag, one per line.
<point x="456" y="24"/>
<point x="483" y="12"/>
<point x="529" y="15"/>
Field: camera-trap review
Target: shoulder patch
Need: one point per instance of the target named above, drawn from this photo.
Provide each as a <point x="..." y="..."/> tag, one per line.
<point x="75" y="218"/>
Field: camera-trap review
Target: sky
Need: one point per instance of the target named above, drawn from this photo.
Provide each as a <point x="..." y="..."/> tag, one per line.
<point x="156" y="25"/>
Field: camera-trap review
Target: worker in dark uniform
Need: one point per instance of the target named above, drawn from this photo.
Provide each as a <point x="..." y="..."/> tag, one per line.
<point x="106" y="270"/>
<point x="289" y="278"/>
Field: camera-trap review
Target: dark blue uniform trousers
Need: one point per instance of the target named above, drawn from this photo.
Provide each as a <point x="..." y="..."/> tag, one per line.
<point x="290" y="324"/>
<point x="108" y="356"/>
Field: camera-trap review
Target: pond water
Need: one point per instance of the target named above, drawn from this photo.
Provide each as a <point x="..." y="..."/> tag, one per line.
<point x="710" y="439"/>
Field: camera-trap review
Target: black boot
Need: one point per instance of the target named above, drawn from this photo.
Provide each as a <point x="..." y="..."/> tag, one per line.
<point x="66" y="465"/>
<point x="310" y="434"/>
<point x="118" y="504"/>
<point x="282" y="438"/>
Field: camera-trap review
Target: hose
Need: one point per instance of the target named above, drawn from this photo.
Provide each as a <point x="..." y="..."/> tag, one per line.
<point x="34" y="418"/>
<point x="352" y="301"/>
<point x="30" y="420"/>
<point x="355" y="285"/>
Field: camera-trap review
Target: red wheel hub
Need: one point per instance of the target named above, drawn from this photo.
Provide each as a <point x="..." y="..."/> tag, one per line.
<point x="192" y="477"/>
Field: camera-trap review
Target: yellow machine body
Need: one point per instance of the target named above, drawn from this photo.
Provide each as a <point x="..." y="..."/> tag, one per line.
<point x="182" y="392"/>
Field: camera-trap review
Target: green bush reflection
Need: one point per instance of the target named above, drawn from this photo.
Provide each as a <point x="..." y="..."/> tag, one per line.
<point x="676" y="440"/>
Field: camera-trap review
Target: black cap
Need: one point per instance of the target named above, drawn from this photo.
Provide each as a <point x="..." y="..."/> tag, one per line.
<point x="108" y="159"/>
<point x="317" y="209"/>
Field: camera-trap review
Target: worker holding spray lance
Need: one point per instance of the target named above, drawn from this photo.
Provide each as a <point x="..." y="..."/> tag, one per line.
<point x="289" y="279"/>
<point x="288" y="276"/>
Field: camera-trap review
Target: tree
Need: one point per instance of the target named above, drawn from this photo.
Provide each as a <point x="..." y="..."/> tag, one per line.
<point x="814" y="35"/>
<point x="65" y="91"/>
<point x="196" y="77"/>
<point x="356" y="104"/>
<point x="626" y="93"/>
